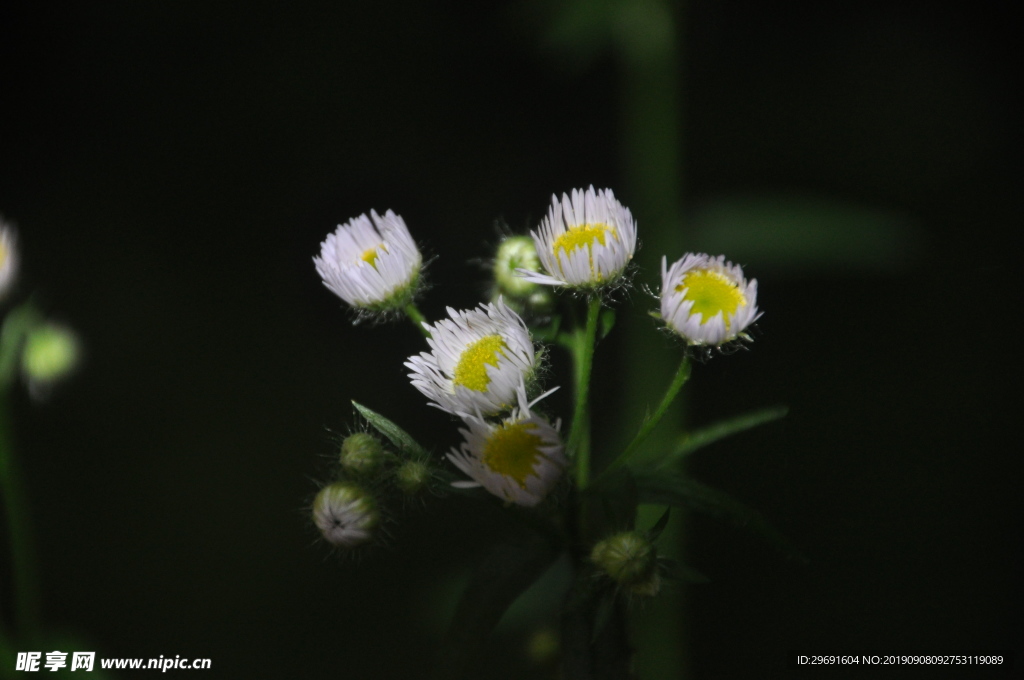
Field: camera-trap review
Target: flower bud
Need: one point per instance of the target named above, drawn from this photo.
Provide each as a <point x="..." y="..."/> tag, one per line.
<point x="412" y="476"/>
<point x="345" y="514"/>
<point x="50" y="353"/>
<point x="631" y="560"/>
<point x="361" y="453"/>
<point x="515" y="252"/>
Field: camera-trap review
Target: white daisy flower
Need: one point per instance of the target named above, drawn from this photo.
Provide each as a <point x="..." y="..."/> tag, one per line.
<point x="519" y="459"/>
<point x="345" y="514"/>
<point x="478" y="359"/>
<point x="706" y="300"/>
<point x="584" y="241"/>
<point x="371" y="266"/>
<point x="8" y="257"/>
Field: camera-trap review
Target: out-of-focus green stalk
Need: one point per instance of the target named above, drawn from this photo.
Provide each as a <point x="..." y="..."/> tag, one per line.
<point x="647" y="38"/>
<point x="26" y="604"/>
<point x="650" y="44"/>
<point x="16" y="325"/>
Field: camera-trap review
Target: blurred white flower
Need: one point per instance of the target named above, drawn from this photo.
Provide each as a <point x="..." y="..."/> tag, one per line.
<point x="8" y="258"/>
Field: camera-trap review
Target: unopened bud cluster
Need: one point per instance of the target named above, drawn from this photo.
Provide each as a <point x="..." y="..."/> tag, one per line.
<point x="348" y="510"/>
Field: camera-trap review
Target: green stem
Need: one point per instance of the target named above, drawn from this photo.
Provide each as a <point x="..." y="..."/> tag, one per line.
<point x="413" y="312"/>
<point x="583" y="360"/>
<point x="26" y="604"/>
<point x="678" y="380"/>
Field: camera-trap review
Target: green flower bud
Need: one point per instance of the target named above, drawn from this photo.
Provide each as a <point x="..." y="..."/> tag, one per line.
<point x="412" y="476"/>
<point x="345" y="514"/>
<point x="50" y="353"/>
<point x="631" y="560"/>
<point x="515" y="252"/>
<point x="361" y="453"/>
<point x="541" y="301"/>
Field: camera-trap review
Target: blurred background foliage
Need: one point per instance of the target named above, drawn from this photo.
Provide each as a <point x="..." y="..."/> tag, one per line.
<point x="173" y="167"/>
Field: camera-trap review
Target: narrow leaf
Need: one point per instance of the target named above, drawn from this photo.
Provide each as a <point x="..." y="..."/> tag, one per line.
<point x="804" y="234"/>
<point x="505" y="573"/>
<point x="396" y="435"/>
<point x="692" y="441"/>
<point x="660" y="525"/>
<point x="658" y="488"/>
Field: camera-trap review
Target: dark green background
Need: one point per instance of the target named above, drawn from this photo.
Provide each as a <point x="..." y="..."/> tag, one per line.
<point x="173" y="167"/>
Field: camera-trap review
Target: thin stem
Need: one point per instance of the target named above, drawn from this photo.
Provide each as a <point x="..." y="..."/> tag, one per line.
<point x="583" y="360"/>
<point x="413" y="312"/>
<point x="678" y="380"/>
<point x="26" y="605"/>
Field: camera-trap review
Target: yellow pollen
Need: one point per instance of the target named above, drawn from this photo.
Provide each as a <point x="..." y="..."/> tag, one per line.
<point x="583" y="235"/>
<point x="513" y="450"/>
<point x="580" y="235"/>
<point x="711" y="293"/>
<point x="3" y="254"/>
<point x="369" y="255"/>
<point x="471" y="371"/>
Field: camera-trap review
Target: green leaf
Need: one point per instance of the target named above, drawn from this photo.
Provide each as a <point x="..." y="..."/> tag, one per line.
<point x="606" y="323"/>
<point x="505" y="573"/>
<point x="396" y="435"/>
<point x="698" y="439"/>
<point x="659" y="488"/>
<point x="660" y="525"/>
<point x="806" y="234"/>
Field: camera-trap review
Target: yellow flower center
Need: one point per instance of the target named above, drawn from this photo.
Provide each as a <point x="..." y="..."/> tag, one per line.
<point x="471" y="371"/>
<point x="580" y="235"/>
<point x="369" y="255"/>
<point x="513" y="450"/>
<point x="711" y="293"/>
<point x="584" y="235"/>
<point x="3" y="254"/>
